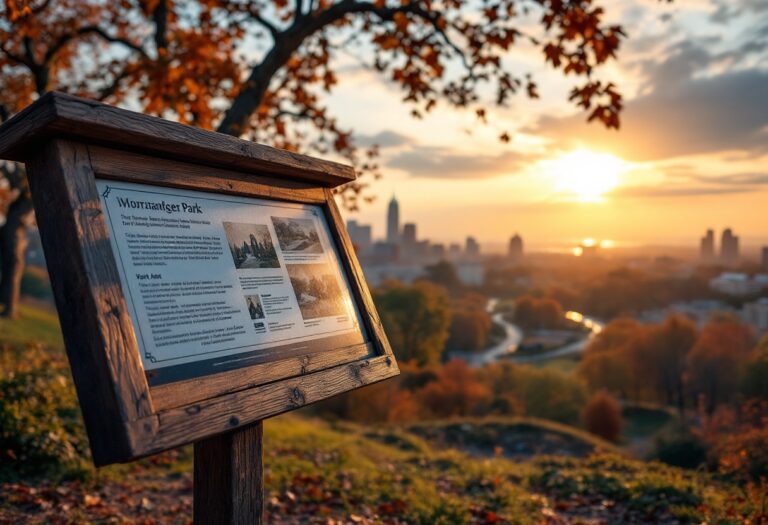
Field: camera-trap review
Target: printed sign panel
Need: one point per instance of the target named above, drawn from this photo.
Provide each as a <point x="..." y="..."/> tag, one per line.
<point x="217" y="282"/>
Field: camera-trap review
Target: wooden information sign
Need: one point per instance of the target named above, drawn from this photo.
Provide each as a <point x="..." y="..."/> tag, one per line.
<point x="203" y="283"/>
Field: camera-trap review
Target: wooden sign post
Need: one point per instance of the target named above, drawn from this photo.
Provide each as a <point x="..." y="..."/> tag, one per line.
<point x="203" y="283"/>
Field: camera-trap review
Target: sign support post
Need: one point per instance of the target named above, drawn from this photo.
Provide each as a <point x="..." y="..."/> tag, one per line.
<point x="229" y="478"/>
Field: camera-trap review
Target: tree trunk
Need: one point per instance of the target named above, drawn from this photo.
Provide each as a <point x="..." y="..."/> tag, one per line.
<point x="13" y="246"/>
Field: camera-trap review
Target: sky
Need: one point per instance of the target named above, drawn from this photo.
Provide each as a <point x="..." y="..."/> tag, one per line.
<point x="692" y="152"/>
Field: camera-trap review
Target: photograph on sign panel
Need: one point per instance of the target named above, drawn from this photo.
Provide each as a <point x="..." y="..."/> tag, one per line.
<point x="297" y="235"/>
<point x="251" y="246"/>
<point x="254" y="306"/>
<point x="316" y="289"/>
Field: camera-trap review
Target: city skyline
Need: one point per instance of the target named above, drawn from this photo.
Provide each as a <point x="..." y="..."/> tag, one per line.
<point x="749" y="248"/>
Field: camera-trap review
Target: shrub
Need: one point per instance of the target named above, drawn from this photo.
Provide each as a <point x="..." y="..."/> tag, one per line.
<point x="681" y="448"/>
<point x="40" y="427"/>
<point x="456" y="392"/>
<point x="602" y="416"/>
<point x="743" y="455"/>
<point x="35" y="283"/>
<point x="543" y="393"/>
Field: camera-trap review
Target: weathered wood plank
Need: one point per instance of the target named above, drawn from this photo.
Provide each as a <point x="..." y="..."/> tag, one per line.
<point x="191" y="391"/>
<point x="100" y="342"/>
<point x="228" y="478"/>
<point x="57" y="114"/>
<point x="134" y="167"/>
<point x="225" y="413"/>
<point x="355" y="272"/>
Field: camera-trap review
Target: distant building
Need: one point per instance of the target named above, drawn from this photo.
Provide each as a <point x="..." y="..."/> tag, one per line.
<point x="516" y="247"/>
<point x="393" y="222"/>
<point x="437" y="251"/>
<point x="739" y="284"/>
<point x="360" y="234"/>
<point x="454" y="250"/>
<point x="471" y="247"/>
<point x="409" y="234"/>
<point x="765" y="258"/>
<point x="707" y="250"/>
<point x="471" y="273"/>
<point x="385" y="252"/>
<point x="729" y="247"/>
<point x="756" y="315"/>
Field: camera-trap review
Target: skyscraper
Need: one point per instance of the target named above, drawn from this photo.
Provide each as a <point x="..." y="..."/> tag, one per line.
<point x="516" y="247"/>
<point x="409" y="234"/>
<point x="729" y="247"/>
<point x="393" y="222"/>
<point x="471" y="247"/>
<point x="765" y="258"/>
<point x="707" y="251"/>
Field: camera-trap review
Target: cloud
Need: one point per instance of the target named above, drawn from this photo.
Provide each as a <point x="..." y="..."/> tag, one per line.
<point x="665" y="191"/>
<point x="439" y="162"/>
<point x="681" y="113"/>
<point x="384" y="139"/>
<point x="727" y="10"/>
<point x="681" y="181"/>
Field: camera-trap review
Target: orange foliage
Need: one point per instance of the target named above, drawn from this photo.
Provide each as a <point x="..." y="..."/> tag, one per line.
<point x="455" y="392"/>
<point x="716" y="360"/>
<point x="602" y="416"/>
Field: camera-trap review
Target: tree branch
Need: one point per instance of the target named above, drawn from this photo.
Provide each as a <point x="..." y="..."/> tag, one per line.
<point x="160" y="19"/>
<point x="289" y="40"/>
<point x="86" y="30"/>
<point x="255" y="13"/>
<point x="13" y="56"/>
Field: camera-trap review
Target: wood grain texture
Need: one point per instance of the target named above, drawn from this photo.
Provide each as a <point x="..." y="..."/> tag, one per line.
<point x="357" y="279"/>
<point x="100" y="342"/>
<point x="134" y="167"/>
<point x="228" y="478"/>
<point x="225" y="413"/>
<point x="57" y="114"/>
<point x="183" y="393"/>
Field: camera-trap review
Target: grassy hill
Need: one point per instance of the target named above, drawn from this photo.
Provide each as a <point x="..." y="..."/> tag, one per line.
<point x="445" y="472"/>
<point x="319" y="472"/>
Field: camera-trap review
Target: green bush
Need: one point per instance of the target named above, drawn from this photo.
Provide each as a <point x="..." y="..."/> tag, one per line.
<point x="35" y="283"/>
<point x="681" y="448"/>
<point x="40" y="426"/>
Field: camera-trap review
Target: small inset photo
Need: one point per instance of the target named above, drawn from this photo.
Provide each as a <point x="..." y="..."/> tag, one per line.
<point x="297" y="235"/>
<point x="317" y="290"/>
<point x="251" y="246"/>
<point x="254" y="306"/>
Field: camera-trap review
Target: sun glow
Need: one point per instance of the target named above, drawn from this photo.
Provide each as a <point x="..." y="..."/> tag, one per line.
<point x="586" y="175"/>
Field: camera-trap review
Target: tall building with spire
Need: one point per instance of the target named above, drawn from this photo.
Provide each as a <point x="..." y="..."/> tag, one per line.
<point x="393" y="222"/>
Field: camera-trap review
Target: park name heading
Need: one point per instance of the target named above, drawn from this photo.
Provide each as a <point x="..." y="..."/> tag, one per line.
<point x="158" y="206"/>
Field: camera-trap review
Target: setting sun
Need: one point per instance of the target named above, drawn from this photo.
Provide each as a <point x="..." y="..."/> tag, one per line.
<point x="587" y="175"/>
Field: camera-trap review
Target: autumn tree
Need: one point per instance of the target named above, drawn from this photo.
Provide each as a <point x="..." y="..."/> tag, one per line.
<point x="455" y="392"/>
<point x="716" y="361"/>
<point x="417" y="318"/>
<point x="660" y="358"/>
<point x="260" y="69"/>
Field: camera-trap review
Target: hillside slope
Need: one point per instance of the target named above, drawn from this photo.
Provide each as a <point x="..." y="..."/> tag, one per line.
<point x="323" y="473"/>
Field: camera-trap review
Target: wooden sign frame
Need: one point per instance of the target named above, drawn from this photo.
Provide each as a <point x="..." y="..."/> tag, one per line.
<point x="67" y="144"/>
